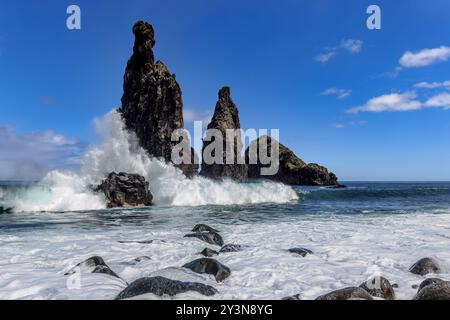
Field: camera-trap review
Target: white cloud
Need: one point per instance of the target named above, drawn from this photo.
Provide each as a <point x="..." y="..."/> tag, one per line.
<point x="352" y="46"/>
<point x="439" y="101"/>
<point x="432" y="85"/>
<point x="339" y="93"/>
<point x="424" y="57"/>
<point x="390" y="102"/>
<point x="325" y="57"/>
<point x="339" y="126"/>
<point x="30" y="156"/>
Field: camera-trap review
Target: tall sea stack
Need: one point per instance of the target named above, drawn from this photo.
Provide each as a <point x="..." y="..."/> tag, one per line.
<point x="152" y="106"/>
<point x="226" y="116"/>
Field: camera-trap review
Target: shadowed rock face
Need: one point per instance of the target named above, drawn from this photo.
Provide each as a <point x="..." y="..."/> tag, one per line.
<point x="292" y="170"/>
<point x="126" y="190"/>
<point x="162" y="286"/>
<point x="152" y="106"/>
<point x="226" y="116"/>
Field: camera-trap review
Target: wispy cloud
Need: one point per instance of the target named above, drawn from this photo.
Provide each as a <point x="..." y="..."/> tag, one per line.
<point x="29" y="156"/>
<point x="424" y="57"/>
<point x="349" y="45"/>
<point x="349" y="124"/>
<point x="390" y="103"/>
<point x="432" y="85"/>
<point x="352" y="46"/>
<point x="339" y="93"/>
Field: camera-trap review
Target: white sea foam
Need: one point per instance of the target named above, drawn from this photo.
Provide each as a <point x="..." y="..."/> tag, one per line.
<point x="119" y="151"/>
<point x="347" y="251"/>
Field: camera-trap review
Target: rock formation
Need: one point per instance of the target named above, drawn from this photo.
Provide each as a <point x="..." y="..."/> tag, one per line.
<point x="292" y="170"/>
<point x="379" y="287"/>
<point x="94" y="264"/>
<point x="209" y="237"/>
<point x="125" y="190"/>
<point x="162" y="286"/>
<point x="435" y="291"/>
<point x="209" y="266"/>
<point x="425" y="266"/>
<point x="151" y="101"/>
<point x="226" y="117"/>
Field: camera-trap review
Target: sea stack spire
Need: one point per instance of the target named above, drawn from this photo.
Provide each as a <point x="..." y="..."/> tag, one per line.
<point x="226" y="117"/>
<point x="152" y="106"/>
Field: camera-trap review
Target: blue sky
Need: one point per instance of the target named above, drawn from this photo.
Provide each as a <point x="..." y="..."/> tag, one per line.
<point x="368" y="104"/>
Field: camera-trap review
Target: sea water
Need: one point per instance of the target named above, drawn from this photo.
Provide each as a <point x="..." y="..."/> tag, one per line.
<point x="365" y="230"/>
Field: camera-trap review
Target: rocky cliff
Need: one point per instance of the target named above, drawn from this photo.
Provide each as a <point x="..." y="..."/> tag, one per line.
<point x="226" y="116"/>
<point x="292" y="170"/>
<point x="152" y="105"/>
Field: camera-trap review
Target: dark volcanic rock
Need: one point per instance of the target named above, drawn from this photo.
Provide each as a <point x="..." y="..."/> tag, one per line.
<point x="162" y="286"/>
<point x="209" y="237"/>
<point x="429" y="281"/>
<point x="351" y="293"/>
<point x="203" y="228"/>
<point x="207" y="252"/>
<point x="209" y="266"/>
<point x="231" y="248"/>
<point x="425" y="266"/>
<point x="379" y="287"/>
<point x="94" y="264"/>
<point x="300" y="251"/>
<point x="5" y="210"/>
<point x="152" y="106"/>
<point x="125" y="190"/>
<point x="226" y="116"/>
<point x="435" y="291"/>
<point x="294" y="297"/>
<point x="292" y="170"/>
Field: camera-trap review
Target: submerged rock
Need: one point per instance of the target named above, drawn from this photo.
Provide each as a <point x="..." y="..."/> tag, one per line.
<point x="427" y="282"/>
<point x="209" y="266"/>
<point x="125" y="190"/>
<point x="434" y="291"/>
<point x="231" y="248"/>
<point x="300" y="251"/>
<point x="162" y="286"/>
<point x="207" y="252"/>
<point x="94" y="264"/>
<point x="226" y="117"/>
<point x="152" y="106"/>
<point x="203" y="228"/>
<point x="209" y="237"/>
<point x="292" y="170"/>
<point x="425" y="266"/>
<point x="379" y="287"/>
<point x="350" y="293"/>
